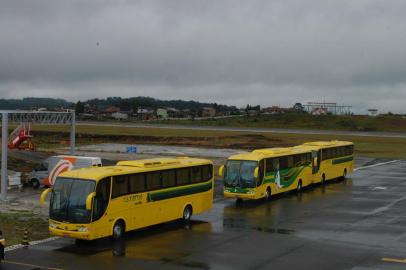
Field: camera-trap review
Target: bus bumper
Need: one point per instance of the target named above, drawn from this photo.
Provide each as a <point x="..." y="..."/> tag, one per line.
<point x="246" y="196"/>
<point x="85" y="235"/>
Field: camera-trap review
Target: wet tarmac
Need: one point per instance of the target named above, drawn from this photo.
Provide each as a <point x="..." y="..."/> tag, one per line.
<point x="358" y="224"/>
<point x="149" y="149"/>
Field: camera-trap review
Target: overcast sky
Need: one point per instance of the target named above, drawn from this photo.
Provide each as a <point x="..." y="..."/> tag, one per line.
<point x="233" y="52"/>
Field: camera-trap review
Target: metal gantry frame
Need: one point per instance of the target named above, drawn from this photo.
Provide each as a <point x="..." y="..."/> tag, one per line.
<point x="34" y="117"/>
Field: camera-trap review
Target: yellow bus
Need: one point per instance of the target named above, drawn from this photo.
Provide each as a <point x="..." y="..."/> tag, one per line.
<point x="96" y="202"/>
<point x="263" y="172"/>
<point x="332" y="159"/>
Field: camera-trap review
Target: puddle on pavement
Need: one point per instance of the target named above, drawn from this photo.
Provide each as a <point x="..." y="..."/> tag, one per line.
<point x="161" y="150"/>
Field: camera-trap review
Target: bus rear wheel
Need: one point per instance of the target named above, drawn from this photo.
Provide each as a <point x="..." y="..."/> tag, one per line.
<point x="118" y="230"/>
<point x="187" y="213"/>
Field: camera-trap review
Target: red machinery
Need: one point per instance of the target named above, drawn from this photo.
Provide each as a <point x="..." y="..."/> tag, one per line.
<point x="21" y="138"/>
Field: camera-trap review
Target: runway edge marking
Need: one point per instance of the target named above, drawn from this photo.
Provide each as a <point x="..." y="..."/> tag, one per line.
<point x="376" y="165"/>
<point x="33" y="243"/>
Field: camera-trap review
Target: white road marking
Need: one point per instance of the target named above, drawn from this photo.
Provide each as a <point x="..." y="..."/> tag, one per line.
<point x="375" y="165"/>
<point x="33" y="243"/>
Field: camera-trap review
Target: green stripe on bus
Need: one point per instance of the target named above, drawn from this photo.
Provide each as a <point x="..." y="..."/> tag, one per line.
<point x="163" y="195"/>
<point x="342" y="160"/>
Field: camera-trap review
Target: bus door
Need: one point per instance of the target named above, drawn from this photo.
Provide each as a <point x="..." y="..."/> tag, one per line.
<point x="100" y="203"/>
<point x="316" y="159"/>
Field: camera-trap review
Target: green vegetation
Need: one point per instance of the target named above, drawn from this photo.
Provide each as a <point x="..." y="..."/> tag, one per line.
<point x="52" y="136"/>
<point x="294" y="120"/>
<point x="13" y="225"/>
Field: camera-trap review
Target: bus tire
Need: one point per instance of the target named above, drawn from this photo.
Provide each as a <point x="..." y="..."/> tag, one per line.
<point x="187" y="213"/>
<point x="299" y="186"/>
<point x="323" y="179"/>
<point x="239" y="201"/>
<point x="268" y="194"/>
<point x="35" y="183"/>
<point x="118" y="229"/>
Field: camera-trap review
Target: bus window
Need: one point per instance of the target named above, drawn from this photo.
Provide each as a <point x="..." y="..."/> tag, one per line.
<point x="283" y="163"/>
<point x="137" y="183"/>
<point x="297" y="159"/>
<point x="207" y="171"/>
<point x="168" y="178"/>
<point x="290" y="162"/>
<point x="269" y="165"/>
<point x="120" y="186"/>
<point x="101" y="199"/>
<point x="153" y="180"/>
<point x="196" y="174"/>
<point x="182" y="176"/>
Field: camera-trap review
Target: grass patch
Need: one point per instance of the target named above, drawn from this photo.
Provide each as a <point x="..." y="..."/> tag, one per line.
<point x="14" y="224"/>
<point x="52" y="136"/>
<point x="294" y="120"/>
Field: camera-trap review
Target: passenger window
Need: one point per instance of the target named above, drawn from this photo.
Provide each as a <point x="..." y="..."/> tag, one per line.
<point x="275" y="164"/>
<point x="182" y="176"/>
<point x="120" y="186"/>
<point x="283" y="163"/>
<point x="290" y="162"/>
<point x="297" y="159"/>
<point x="137" y="183"/>
<point x="196" y="174"/>
<point x="207" y="172"/>
<point x="269" y="165"/>
<point x="101" y="200"/>
<point x="168" y="178"/>
<point x="153" y="181"/>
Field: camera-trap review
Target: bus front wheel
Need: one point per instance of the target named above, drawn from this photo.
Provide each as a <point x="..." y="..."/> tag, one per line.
<point x="118" y="230"/>
<point x="187" y="213"/>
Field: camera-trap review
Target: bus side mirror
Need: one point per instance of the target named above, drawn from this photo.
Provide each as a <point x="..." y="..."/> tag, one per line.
<point x="221" y="170"/>
<point x="256" y="172"/>
<point x="89" y="200"/>
<point x="44" y="195"/>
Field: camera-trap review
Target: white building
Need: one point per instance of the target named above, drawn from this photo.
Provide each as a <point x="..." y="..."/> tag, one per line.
<point x="119" y="116"/>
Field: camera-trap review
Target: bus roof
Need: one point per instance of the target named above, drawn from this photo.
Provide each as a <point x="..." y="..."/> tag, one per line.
<point x="134" y="166"/>
<point x="327" y="144"/>
<point x="259" y="154"/>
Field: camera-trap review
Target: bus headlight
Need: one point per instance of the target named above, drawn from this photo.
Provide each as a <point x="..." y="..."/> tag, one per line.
<point x="250" y="192"/>
<point x="52" y="225"/>
<point x="82" y="229"/>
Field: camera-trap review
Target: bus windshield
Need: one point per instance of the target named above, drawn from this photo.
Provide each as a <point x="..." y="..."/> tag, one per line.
<point x="68" y="201"/>
<point x="240" y="173"/>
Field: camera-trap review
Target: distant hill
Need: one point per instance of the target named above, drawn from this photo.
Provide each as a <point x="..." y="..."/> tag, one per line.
<point x="31" y="103"/>
<point x="127" y="104"/>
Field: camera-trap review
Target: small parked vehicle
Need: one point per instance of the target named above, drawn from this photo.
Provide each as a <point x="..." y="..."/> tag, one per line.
<point x="46" y="173"/>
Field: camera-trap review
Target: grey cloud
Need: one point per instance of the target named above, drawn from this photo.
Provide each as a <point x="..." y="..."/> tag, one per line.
<point x="266" y="52"/>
